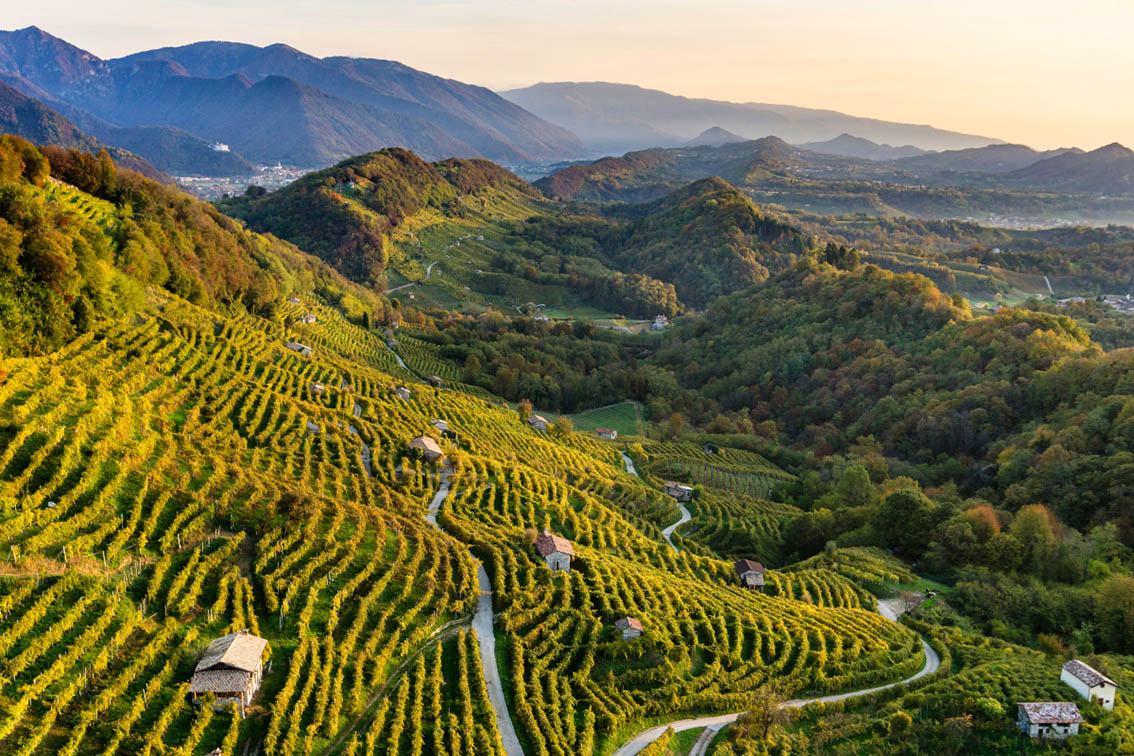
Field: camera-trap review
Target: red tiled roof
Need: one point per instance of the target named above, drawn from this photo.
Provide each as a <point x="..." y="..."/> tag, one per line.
<point x="628" y="622"/>
<point x="1056" y="712"/>
<point x="549" y="544"/>
<point x="747" y="565"/>
<point x="1087" y="674"/>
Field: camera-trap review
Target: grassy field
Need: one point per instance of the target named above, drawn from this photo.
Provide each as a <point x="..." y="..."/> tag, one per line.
<point x="622" y="417"/>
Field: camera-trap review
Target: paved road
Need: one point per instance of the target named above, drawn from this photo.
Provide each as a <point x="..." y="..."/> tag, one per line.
<point x="889" y="608"/>
<point x="629" y="464"/>
<point x="364" y="455"/>
<point x="701" y="747"/>
<point x="482" y="623"/>
<point x="428" y="273"/>
<point x="685" y="517"/>
<point x="397" y="356"/>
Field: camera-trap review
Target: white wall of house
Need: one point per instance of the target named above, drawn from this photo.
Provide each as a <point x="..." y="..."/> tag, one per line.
<point x="1102" y="693"/>
<point x="631" y="633"/>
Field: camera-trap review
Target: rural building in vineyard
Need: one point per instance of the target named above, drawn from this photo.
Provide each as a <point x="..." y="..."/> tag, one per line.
<point x="435" y="381"/>
<point x="440" y="425"/>
<point x="295" y="346"/>
<point x="661" y="322"/>
<point x="1090" y="683"/>
<point x="1052" y="720"/>
<point x="608" y="433"/>
<point x="631" y="627"/>
<point x="679" y="491"/>
<point x="231" y="669"/>
<point x="751" y="574"/>
<point x="403" y="392"/>
<point x="318" y="388"/>
<point x="428" y="447"/>
<point x="538" y="422"/>
<point x="308" y="319"/>
<point x="556" y="551"/>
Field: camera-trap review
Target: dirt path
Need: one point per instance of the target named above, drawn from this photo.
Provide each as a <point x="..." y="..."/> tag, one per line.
<point x="888" y="608"/>
<point x="428" y="273"/>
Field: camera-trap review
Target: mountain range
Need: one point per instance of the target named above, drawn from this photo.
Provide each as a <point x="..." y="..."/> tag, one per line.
<point x="621" y="117"/>
<point x="275" y="103"/>
<point x="849" y="145"/>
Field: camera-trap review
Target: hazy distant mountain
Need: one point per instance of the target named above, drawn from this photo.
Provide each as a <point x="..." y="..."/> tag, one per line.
<point x="618" y="117"/>
<point x="857" y="147"/>
<point x="277" y="103"/>
<point x="1107" y="170"/>
<point x="996" y="158"/>
<point x="28" y="118"/>
<point x="714" y="137"/>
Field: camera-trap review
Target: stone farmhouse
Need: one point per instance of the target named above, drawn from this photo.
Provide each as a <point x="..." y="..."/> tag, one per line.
<point x="295" y="346"/>
<point x="607" y="433"/>
<point x="1051" y="720"/>
<point x="631" y="627"/>
<point x="751" y="574"/>
<point x="538" y="422"/>
<point x="428" y="448"/>
<point x="556" y="551"/>
<point x="231" y="669"/>
<point x="679" y="491"/>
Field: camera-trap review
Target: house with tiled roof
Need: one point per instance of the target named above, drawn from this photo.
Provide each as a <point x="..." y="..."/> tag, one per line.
<point x="751" y="574"/>
<point x="295" y="346"/>
<point x="1055" y="720"/>
<point x="631" y="627"/>
<point x="556" y="551"/>
<point x="1090" y="683"/>
<point x="428" y="448"/>
<point x="537" y="422"/>
<point x="231" y="669"/>
<point x="606" y="433"/>
<point x="679" y="491"/>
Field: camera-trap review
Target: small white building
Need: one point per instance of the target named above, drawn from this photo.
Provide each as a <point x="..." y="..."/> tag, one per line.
<point x="679" y="491"/>
<point x="295" y="346"/>
<point x="308" y="319"/>
<point x="403" y="392"/>
<point x="231" y="669"/>
<point x="538" y="422"/>
<point x="1090" y="683"/>
<point x="631" y="627"/>
<point x="294" y="300"/>
<point x="1050" y="720"/>
<point x="439" y="424"/>
<point x="607" y="433"/>
<point x="556" y="551"/>
<point x="751" y="574"/>
<point x="318" y="388"/>
<point x="661" y="322"/>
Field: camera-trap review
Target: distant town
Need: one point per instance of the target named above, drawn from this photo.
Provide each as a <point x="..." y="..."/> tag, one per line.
<point x="214" y="187"/>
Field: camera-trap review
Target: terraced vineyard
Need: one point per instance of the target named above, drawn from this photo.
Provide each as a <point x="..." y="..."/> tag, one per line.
<point x="181" y="475"/>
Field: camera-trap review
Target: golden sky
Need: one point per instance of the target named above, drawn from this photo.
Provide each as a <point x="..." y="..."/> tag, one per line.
<point x="1045" y="73"/>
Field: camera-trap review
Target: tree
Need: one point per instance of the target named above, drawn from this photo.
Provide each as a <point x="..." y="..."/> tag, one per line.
<point x="524" y="409"/>
<point x="472" y="368"/>
<point x="765" y="711"/>
<point x="675" y="425"/>
<point x="855" y="488"/>
<point x="1037" y="529"/>
<point x="563" y="426"/>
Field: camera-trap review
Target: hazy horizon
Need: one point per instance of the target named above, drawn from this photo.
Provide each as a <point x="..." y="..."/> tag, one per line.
<point x="1016" y="71"/>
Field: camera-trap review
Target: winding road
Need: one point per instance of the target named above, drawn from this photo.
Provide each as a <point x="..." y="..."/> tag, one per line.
<point x="685" y="516"/>
<point x="888" y="608"/>
<point x="482" y="623"/>
<point x="428" y="273"/>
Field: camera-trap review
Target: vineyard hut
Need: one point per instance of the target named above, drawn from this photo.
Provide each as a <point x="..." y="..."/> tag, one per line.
<point x="631" y="627"/>
<point x="295" y="346"/>
<point x="539" y="422"/>
<point x="1090" y="683"/>
<point x="428" y="447"/>
<point x="403" y="392"/>
<point x="440" y="425"/>
<point x="318" y="388"/>
<point x="435" y="381"/>
<point x="679" y="491"/>
<point x="608" y="433"/>
<point x="751" y="574"/>
<point x="556" y="551"/>
<point x="1052" y="720"/>
<point x="308" y="319"/>
<point x="231" y="669"/>
<point x="294" y="300"/>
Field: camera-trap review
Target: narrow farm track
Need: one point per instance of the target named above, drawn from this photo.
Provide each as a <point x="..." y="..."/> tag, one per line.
<point x="486" y="639"/>
<point x="685" y="517"/>
<point x="887" y="608"/>
<point x="428" y="273"/>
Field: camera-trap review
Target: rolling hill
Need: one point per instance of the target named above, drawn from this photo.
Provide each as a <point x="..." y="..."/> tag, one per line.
<point x="857" y="147"/>
<point x="620" y="117"/>
<point x="1107" y="170"/>
<point x="995" y="158"/>
<point x="278" y="104"/>
<point x="714" y="137"/>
